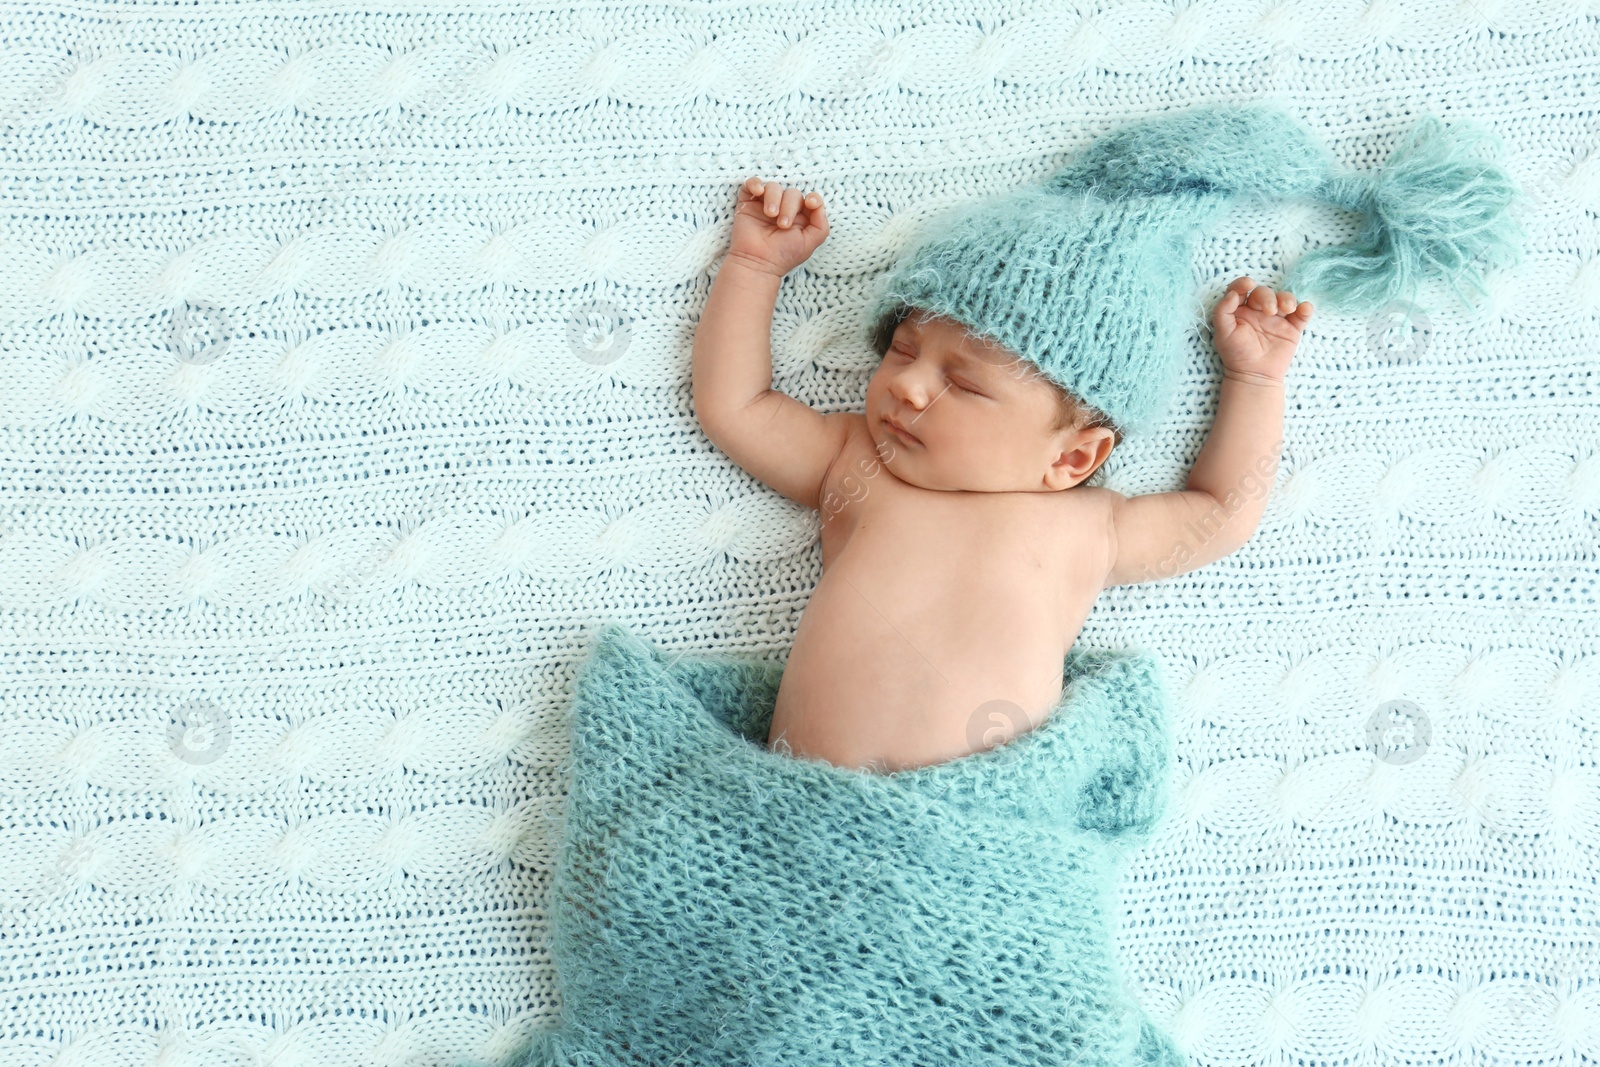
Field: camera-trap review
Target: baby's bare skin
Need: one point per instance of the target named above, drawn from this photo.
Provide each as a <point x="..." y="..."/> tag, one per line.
<point x="933" y="605"/>
<point x="961" y="553"/>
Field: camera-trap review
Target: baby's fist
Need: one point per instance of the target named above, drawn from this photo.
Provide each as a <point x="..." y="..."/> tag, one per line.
<point x="776" y="229"/>
<point x="1257" y="330"/>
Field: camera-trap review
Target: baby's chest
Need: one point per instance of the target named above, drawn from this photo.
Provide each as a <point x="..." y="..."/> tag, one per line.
<point x="1021" y="542"/>
<point x="972" y="545"/>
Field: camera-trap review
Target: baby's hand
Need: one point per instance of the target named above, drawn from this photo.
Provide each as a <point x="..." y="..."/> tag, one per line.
<point x="1258" y="339"/>
<point x="776" y="229"/>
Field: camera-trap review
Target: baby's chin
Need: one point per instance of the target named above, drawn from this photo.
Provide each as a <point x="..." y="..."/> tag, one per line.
<point x="892" y="452"/>
<point x="917" y="465"/>
<point x="910" y="463"/>
<point x="891" y="449"/>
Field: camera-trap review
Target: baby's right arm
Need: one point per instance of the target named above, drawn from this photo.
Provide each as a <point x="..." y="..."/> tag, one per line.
<point x="780" y="441"/>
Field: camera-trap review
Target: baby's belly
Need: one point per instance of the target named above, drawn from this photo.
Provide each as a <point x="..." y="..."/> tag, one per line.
<point x="895" y="678"/>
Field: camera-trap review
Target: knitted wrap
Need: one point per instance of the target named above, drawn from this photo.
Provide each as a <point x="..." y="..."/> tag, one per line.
<point x="719" y="904"/>
<point x="1088" y="274"/>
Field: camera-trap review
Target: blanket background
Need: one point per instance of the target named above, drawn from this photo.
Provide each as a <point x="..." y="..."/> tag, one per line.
<point x="346" y="391"/>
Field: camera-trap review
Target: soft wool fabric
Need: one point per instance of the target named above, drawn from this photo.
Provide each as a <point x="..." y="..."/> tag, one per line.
<point x="1087" y="275"/>
<point x="718" y="904"/>
<point x="376" y="534"/>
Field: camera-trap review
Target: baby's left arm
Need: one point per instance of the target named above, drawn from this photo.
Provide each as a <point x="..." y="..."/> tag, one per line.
<point x="1159" y="535"/>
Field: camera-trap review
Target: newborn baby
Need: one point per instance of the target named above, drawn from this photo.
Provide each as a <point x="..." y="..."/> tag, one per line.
<point x="961" y="551"/>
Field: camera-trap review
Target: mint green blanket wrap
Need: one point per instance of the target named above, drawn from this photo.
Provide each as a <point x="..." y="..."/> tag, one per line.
<point x="716" y="903"/>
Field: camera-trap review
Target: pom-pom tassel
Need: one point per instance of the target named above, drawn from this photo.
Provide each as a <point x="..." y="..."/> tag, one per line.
<point x="1433" y="211"/>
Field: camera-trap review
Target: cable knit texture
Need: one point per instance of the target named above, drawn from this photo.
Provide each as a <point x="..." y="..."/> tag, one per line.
<point x="345" y="389"/>
<point x="729" y="905"/>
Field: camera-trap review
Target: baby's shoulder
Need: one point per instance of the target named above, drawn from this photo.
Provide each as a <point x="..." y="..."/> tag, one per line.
<point x="1092" y="496"/>
<point x="1082" y="519"/>
<point x="1086" y="520"/>
<point x="1090" y="509"/>
<point x="856" y="454"/>
<point x="1087" y="502"/>
<point x="858" y="443"/>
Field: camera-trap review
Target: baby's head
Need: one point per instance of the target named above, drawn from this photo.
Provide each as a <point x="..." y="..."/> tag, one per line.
<point x="983" y="419"/>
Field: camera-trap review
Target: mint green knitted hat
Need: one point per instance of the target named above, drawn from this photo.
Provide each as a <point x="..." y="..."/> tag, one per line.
<point x="1089" y="275"/>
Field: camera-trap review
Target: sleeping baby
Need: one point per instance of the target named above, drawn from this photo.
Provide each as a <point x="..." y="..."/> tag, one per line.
<point x="961" y="549"/>
<point x="900" y="845"/>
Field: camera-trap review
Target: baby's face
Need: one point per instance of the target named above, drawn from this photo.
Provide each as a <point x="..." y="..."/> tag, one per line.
<point x="980" y="417"/>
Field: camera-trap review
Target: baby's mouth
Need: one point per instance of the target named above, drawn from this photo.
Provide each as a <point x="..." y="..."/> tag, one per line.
<point x="900" y="433"/>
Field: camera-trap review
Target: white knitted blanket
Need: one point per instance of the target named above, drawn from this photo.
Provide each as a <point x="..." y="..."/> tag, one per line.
<point x="345" y="391"/>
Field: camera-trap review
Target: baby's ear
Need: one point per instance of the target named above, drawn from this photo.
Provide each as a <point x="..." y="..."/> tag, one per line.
<point x="1093" y="450"/>
<point x="1100" y="465"/>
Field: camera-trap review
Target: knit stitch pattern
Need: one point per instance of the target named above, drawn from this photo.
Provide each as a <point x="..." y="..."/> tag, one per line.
<point x="1087" y="275"/>
<point x="346" y="360"/>
<point x="717" y="903"/>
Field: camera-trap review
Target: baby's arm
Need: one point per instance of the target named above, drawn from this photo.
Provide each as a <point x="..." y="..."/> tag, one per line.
<point x="780" y="441"/>
<point x="1160" y="535"/>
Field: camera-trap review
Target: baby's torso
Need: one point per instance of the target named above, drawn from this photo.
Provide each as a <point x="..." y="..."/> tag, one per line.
<point x="941" y="619"/>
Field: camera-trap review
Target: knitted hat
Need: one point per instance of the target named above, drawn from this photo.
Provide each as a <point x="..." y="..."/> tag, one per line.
<point x="1089" y="275"/>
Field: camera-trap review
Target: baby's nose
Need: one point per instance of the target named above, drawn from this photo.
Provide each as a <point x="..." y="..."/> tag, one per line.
<point x="914" y="389"/>
<point x="911" y="394"/>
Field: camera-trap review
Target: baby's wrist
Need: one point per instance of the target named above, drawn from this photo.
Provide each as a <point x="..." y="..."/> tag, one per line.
<point x="749" y="271"/>
<point x="1252" y="378"/>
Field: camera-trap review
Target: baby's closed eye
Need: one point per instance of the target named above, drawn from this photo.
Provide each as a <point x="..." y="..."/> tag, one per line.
<point x="958" y="383"/>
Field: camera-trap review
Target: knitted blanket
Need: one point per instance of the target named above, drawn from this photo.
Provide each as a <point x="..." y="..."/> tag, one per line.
<point x="345" y="353"/>
<point x="719" y="904"/>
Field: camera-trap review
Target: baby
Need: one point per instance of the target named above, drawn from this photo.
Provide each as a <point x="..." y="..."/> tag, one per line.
<point x="961" y="551"/>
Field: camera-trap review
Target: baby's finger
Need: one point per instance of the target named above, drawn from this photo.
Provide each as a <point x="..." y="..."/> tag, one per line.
<point x="1239" y="287"/>
<point x="1222" y="318"/>
<point x="788" y="206"/>
<point x="752" y="188"/>
<point x="773" y="197"/>
<point x="1263" y="299"/>
<point x="1286" y="303"/>
<point x="814" y="225"/>
<point x="817" y="217"/>
<point x="1302" y="314"/>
